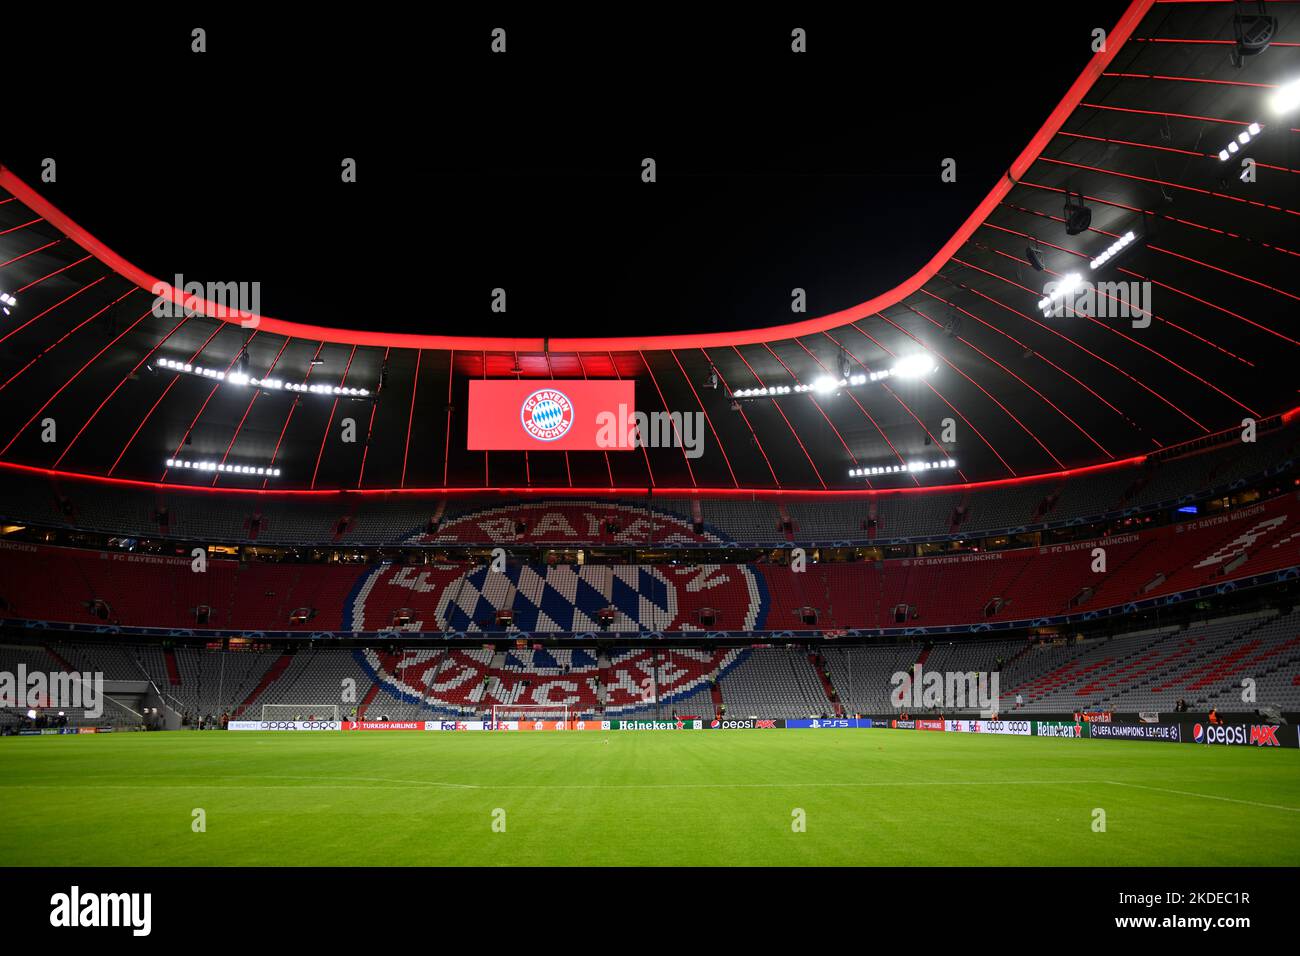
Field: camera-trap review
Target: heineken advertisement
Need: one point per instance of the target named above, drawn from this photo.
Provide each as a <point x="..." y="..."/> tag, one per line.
<point x="655" y="724"/>
<point x="1060" y="728"/>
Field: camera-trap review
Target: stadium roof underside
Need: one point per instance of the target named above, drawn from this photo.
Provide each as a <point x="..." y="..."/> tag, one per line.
<point x="1213" y="339"/>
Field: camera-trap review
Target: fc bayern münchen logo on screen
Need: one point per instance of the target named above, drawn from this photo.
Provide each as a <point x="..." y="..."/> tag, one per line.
<point x="547" y="414"/>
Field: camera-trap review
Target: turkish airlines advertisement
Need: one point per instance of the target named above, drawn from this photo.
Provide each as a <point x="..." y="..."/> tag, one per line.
<point x="562" y="415"/>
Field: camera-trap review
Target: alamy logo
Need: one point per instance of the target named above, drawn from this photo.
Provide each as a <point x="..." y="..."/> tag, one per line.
<point x="74" y="909"/>
<point x="625" y="428"/>
<point x="220" y="300"/>
<point x="32" y="690"/>
<point x="1073" y="296"/>
<point x="945" y="690"/>
<point x="547" y="414"/>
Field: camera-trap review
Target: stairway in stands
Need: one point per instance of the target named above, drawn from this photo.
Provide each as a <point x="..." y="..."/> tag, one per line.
<point x="60" y="660"/>
<point x="787" y="525"/>
<point x="270" y="677"/>
<point x="822" y="668"/>
<point x="367" y="701"/>
<point x="173" y="669"/>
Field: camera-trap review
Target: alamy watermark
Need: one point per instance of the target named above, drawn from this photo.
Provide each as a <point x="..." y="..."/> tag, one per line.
<point x="1072" y="295"/>
<point x="69" y="690"/>
<point x="944" y="690"/>
<point x="628" y="429"/>
<point x="76" y="908"/>
<point x="220" y="300"/>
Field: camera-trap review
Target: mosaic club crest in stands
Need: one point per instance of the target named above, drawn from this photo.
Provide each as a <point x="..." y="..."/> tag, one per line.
<point x="571" y="521"/>
<point x="560" y="598"/>
<point x="460" y="680"/>
<point x="564" y="597"/>
<point x="547" y="414"/>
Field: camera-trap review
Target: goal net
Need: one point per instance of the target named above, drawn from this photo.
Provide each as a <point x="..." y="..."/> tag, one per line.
<point x="529" y="712"/>
<point x="300" y="712"/>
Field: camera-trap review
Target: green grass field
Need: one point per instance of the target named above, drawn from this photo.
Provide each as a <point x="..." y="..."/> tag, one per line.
<point x="872" y="797"/>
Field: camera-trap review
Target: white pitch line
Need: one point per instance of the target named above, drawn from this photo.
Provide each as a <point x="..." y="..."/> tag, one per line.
<point x="1205" y="796"/>
<point x="386" y="783"/>
<point x="364" y="783"/>
<point x="417" y="784"/>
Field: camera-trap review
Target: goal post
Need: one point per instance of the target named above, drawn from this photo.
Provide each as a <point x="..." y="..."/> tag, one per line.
<point x="300" y="712"/>
<point x="527" y="712"/>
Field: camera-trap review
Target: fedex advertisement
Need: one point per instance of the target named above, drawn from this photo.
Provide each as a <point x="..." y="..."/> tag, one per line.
<point x="545" y="415"/>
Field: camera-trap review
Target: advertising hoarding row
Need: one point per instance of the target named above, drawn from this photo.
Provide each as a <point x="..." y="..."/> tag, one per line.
<point x="1240" y="735"/>
<point x="1234" y="735"/>
<point x="685" y="723"/>
<point x="1015" y="728"/>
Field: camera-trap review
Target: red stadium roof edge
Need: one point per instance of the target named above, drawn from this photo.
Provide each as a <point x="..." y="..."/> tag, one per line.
<point x="1096" y="66"/>
<point x="561" y="492"/>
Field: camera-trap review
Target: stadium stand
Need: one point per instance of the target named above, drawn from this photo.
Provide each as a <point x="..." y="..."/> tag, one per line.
<point x="861" y="675"/>
<point x="28" y="658"/>
<point x="775" y="682"/>
<point x="59" y="584"/>
<point x="447" y="587"/>
<point x="1146" y="670"/>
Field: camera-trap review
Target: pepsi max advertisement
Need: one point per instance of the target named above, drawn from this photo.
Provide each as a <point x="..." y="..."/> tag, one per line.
<point x="1243" y="735"/>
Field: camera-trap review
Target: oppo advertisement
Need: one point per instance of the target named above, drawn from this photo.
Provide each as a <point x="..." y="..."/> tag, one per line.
<point x="542" y="415"/>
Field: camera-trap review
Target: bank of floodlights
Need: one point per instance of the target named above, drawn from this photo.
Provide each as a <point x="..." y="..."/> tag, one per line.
<point x="222" y="467"/>
<point x="912" y="366"/>
<point x="903" y="468"/>
<point x="1115" y="248"/>
<point x="274" y="384"/>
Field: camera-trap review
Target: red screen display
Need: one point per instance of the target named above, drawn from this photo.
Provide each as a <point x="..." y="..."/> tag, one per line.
<point x="550" y="415"/>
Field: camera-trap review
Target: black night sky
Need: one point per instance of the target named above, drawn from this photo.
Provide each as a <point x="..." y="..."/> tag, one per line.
<point x="522" y="171"/>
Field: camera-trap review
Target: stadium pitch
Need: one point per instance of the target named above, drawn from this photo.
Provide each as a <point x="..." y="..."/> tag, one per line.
<point x="869" y="797"/>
